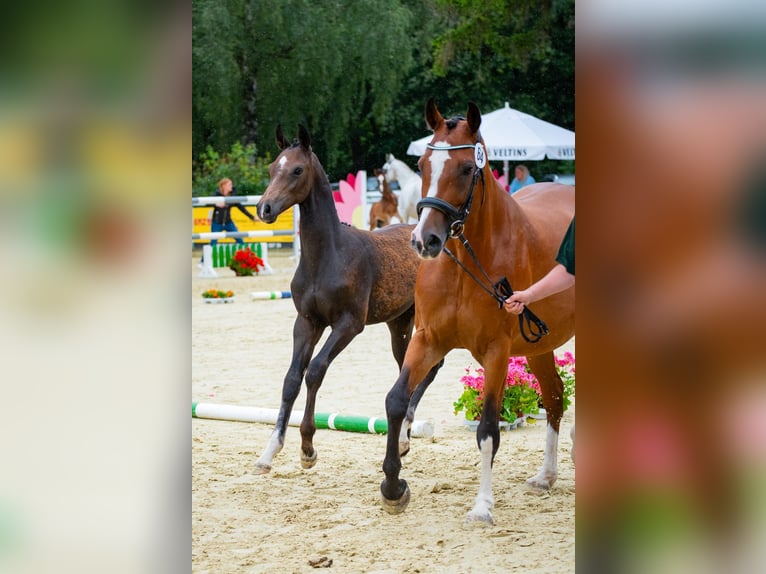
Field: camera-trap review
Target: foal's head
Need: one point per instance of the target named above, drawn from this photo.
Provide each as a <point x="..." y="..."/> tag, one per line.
<point x="292" y="175"/>
<point x="449" y="168"/>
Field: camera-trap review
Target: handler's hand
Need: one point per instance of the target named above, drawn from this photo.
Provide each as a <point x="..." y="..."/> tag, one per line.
<point x="515" y="303"/>
<point x="515" y="307"/>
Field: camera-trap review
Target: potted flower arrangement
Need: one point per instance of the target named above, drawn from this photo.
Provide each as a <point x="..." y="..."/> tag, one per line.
<point x="246" y="262"/>
<point x="521" y="396"/>
<point x="217" y="296"/>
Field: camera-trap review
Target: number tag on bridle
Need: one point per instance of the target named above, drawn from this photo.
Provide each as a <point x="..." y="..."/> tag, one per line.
<point x="478" y="156"/>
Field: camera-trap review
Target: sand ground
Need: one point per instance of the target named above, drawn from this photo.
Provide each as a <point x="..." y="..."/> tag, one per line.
<point x="295" y="520"/>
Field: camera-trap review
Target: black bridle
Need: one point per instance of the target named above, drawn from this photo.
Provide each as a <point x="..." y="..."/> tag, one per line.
<point x="501" y="290"/>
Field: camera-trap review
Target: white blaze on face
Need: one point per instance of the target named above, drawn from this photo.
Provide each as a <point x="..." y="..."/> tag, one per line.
<point x="438" y="159"/>
<point x="282" y="162"/>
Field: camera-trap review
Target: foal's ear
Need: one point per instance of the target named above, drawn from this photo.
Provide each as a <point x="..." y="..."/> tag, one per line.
<point x="282" y="142"/>
<point x="473" y="116"/>
<point x="303" y="137"/>
<point x="434" y="119"/>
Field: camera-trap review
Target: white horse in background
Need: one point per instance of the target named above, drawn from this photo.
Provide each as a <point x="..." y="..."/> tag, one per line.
<point x="409" y="187"/>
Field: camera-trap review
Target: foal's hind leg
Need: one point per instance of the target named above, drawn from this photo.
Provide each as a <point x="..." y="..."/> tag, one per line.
<point x="343" y="332"/>
<point x="306" y="334"/>
<point x="552" y="387"/>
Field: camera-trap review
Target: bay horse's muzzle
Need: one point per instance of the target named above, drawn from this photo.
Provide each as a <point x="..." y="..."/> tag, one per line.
<point x="426" y="240"/>
<point x="430" y="248"/>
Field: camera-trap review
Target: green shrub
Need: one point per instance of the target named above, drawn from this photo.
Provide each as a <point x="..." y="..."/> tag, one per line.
<point x="250" y="174"/>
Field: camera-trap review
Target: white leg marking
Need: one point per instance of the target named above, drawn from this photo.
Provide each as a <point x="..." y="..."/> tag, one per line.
<point x="547" y="474"/>
<point x="572" y="436"/>
<point x="482" y="508"/>
<point x="404" y="441"/>
<point x="263" y="464"/>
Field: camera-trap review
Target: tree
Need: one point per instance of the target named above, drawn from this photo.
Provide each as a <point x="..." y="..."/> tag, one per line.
<point x="357" y="73"/>
<point x="473" y="50"/>
<point x="216" y="77"/>
<point x="258" y="64"/>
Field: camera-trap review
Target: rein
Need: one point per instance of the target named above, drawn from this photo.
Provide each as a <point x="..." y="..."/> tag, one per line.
<point x="500" y="291"/>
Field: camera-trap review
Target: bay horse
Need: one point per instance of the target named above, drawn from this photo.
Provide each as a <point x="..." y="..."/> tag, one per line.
<point x="471" y="236"/>
<point x="346" y="278"/>
<point x="409" y="186"/>
<point x="385" y="211"/>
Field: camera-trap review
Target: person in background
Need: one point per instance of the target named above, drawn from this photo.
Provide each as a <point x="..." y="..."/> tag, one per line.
<point x="521" y="178"/>
<point x="221" y="219"/>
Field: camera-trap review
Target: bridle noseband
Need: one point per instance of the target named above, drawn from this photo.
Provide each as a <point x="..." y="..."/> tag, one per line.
<point x="456" y="218"/>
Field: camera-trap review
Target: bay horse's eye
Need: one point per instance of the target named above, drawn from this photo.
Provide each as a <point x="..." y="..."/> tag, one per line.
<point x="297" y="171"/>
<point x="467" y="169"/>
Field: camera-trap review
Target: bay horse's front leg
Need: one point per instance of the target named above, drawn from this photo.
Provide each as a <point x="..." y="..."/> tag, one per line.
<point x="488" y="434"/>
<point x="419" y="369"/>
<point x="306" y="334"/>
<point x="401" y="333"/>
<point x="343" y="332"/>
<point x="552" y="388"/>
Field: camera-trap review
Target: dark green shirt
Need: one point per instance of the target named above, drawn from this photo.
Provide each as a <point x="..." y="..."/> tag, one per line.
<point x="566" y="255"/>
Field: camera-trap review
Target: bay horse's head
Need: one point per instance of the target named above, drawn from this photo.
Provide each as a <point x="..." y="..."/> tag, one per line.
<point x="451" y="167"/>
<point x="292" y="175"/>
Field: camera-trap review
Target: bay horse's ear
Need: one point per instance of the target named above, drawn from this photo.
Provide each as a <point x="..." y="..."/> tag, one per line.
<point x="282" y="142"/>
<point x="473" y="116"/>
<point x="433" y="118"/>
<point x="303" y="137"/>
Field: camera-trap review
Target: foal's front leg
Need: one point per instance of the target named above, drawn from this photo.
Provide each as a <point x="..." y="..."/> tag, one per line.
<point x="343" y="332"/>
<point x="306" y="334"/>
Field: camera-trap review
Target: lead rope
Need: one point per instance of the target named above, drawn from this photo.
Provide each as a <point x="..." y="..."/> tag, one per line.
<point x="500" y="291"/>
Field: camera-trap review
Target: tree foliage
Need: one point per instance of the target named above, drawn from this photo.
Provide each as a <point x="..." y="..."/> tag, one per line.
<point x="357" y="73"/>
<point x="249" y="173"/>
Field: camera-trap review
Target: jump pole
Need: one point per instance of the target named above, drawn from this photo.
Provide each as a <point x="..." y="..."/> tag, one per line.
<point x="333" y="421"/>
<point x="271" y="295"/>
<point x="240" y="234"/>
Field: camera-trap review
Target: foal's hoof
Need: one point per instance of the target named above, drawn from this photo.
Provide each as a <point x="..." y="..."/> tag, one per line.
<point x="308" y="461"/>
<point x="482" y="519"/>
<point x="262" y="468"/>
<point x="396" y="506"/>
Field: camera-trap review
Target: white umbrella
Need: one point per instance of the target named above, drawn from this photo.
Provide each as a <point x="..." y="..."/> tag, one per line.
<point x="516" y="136"/>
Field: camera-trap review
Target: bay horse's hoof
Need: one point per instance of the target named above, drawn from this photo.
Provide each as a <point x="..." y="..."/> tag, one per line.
<point x="474" y="518"/>
<point x="308" y="461"/>
<point x="261" y="468"/>
<point x="396" y="506"/>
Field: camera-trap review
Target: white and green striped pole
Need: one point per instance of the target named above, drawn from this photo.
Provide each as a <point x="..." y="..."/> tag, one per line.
<point x="271" y="295"/>
<point x="333" y="421"/>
